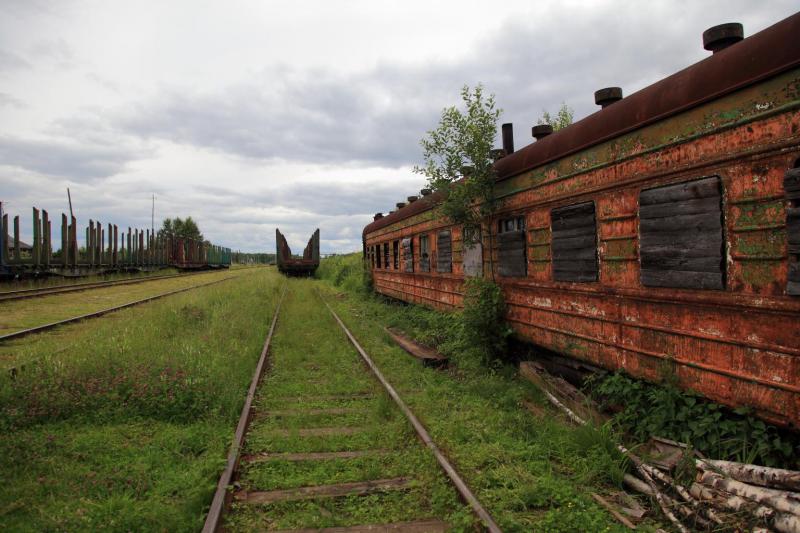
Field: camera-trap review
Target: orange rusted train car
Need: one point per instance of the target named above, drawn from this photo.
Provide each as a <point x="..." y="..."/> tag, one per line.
<point x="662" y="229"/>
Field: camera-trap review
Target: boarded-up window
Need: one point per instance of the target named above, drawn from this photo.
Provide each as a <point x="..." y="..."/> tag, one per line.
<point x="444" y="251"/>
<point x="574" y="243"/>
<point x="408" y="255"/>
<point x="396" y="255"/>
<point x="386" y="255"/>
<point x="511" y="244"/>
<point x="473" y="251"/>
<point x="424" y="254"/>
<point x="681" y="242"/>
<point x="791" y="184"/>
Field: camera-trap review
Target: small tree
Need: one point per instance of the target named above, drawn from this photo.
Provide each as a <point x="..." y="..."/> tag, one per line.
<point x="186" y="228"/>
<point x="563" y="117"/>
<point x="458" y="160"/>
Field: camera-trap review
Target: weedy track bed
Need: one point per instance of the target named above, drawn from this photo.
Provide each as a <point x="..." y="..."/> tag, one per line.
<point x="321" y="445"/>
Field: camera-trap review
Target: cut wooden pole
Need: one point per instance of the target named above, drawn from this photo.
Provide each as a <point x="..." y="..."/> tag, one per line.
<point x="37" y="238"/>
<point x="17" y="255"/>
<point x="610" y="508"/>
<point x="764" y="476"/>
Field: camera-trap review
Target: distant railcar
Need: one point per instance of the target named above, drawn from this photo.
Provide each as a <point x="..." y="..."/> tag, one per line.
<point x="297" y="266"/>
<point x="661" y="232"/>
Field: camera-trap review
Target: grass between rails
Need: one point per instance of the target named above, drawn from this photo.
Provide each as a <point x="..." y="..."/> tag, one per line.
<point x="127" y="426"/>
<point x="313" y="367"/>
<point x="16" y="315"/>
<point x="533" y="473"/>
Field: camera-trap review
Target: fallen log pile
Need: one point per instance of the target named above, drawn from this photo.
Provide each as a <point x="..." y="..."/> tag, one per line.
<point x="721" y="495"/>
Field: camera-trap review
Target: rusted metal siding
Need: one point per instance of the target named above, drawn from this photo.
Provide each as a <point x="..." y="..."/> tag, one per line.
<point x="738" y="345"/>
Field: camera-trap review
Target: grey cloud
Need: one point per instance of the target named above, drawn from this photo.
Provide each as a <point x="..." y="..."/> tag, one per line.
<point x="378" y="116"/>
<point x="78" y="162"/>
<point x="11" y="61"/>
<point x="6" y="100"/>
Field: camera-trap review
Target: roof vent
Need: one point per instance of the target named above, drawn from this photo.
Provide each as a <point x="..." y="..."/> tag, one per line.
<point x="390" y="212"/>
<point x="411" y="199"/>
<point x="425" y="192"/>
<point x="720" y="37"/>
<point x="497" y="153"/>
<point x="540" y="131"/>
<point x="508" y="138"/>
<point x="400" y="205"/>
<point x="377" y="216"/>
<point x="606" y="97"/>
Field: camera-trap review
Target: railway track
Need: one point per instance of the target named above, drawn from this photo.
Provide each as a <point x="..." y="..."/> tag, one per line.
<point x="60" y="289"/>
<point x="101" y="312"/>
<point x="322" y="445"/>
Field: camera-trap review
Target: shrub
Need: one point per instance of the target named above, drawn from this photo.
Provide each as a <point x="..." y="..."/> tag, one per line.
<point x="483" y="318"/>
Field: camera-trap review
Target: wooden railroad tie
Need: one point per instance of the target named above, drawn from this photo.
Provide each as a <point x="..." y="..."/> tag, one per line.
<point x="359" y="488"/>
<point x="317" y="432"/>
<point x="311" y="456"/>
<point x="419" y="526"/>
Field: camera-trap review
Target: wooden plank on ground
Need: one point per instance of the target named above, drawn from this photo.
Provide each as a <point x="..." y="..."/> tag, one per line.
<point x="566" y="393"/>
<point x="359" y="488"/>
<point x="418" y="526"/>
<point x="311" y="456"/>
<point x="416" y="349"/>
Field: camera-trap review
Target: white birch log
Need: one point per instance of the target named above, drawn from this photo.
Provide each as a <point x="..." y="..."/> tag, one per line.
<point x="764" y="476"/>
<point x="779" y="500"/>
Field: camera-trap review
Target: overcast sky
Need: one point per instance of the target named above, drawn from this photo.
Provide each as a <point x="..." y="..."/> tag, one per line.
<point x="298" y="114"/>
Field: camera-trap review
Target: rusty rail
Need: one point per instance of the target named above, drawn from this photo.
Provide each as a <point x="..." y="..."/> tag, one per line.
<point x="94" y="314"/>
<point x="448" y="468"/>
<point x="218" y="503"/>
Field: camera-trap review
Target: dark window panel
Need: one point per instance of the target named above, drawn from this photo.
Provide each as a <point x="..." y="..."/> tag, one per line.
<point x="444" y="251"/>
<point x="574" y="243"/>
<point x="681" y="242"/>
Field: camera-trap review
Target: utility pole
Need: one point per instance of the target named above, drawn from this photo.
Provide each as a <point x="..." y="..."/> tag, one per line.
<point x="153" y="216"/>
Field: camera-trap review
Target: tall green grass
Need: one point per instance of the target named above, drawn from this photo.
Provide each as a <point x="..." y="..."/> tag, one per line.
<point x="122" y="423"/>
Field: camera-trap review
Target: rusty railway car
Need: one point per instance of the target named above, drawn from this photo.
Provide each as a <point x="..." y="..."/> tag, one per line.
<point x="297" y="266"/>
<point x="662" y="231"/>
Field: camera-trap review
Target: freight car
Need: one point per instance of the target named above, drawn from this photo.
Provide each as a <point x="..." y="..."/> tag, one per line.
<point x="661" y="233"/>
<point x="105" y="249"/>
<point x="297" y="266"/>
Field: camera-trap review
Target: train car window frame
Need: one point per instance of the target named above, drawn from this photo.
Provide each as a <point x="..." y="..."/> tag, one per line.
<point x="512" y="244"/>
<point x="573" y="243"/>
<point x="396" y="255"/>
<point x="791" y="186"/>
<point x="407" y="244"/>
<point x="682" y="235"/>
<point x="444" y="251"/>
<point x="472" y="254"/>
<point x="377" y="252"/>
<point x="424" y="253"/>
<point x="386" y="255"/>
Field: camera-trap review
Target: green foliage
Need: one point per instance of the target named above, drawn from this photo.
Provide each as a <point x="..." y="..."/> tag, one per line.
<point x="563" y="118"/>
<point x="667" y="411"/>
<point x="347" y="272"/>
<point x="186" y="228"/>
<point x="483" y="318"/>
<point x="458" y="160"/>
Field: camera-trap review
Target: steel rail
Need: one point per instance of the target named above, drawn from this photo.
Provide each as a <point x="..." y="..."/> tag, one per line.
<point x="220" y="496"/>
<point x="51" y="325"/>
<point x="58" y="289"/>
<point x="451" y="472"/>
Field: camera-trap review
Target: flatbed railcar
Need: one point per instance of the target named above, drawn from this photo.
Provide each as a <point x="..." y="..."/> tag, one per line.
<point x="660" y="233"/>
<point x="291" y="265"/>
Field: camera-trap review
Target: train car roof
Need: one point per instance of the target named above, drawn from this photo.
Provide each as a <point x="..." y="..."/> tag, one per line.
<point x="763" y="55"/>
